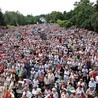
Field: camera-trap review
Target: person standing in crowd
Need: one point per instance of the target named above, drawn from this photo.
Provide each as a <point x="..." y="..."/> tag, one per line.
<point x="92" y="83"/>
<point x="79" y="91"/>
<point x="26" y="93"/>
<point x="55" y="93"/>
<point x="90" y="91"/>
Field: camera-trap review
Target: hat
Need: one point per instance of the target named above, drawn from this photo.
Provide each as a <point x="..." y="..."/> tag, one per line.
<point x="32" y="69"/>
<point x="53" y="89"/>
<point x="90" y="69"/>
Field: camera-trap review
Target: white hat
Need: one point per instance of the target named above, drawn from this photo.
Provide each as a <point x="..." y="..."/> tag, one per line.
<point x="32" y="68"/>
<point x="90" y="69"/>
<point x="53" y="89"/>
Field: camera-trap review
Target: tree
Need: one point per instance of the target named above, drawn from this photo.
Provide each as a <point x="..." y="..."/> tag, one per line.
<point x="67" y="15"/>
<point x="94" y="21"/>
<point x="96" y="5"/>
<point x="36" y="19"/>
<point x="16" y="18"/>
<point x="2" y="21"/>
<point x="82" y="13"/>
<point x="29" y="19"/>
<point x="54" y="16"/>
<point x="87" y="25"/>
<point x="10" y="18"/>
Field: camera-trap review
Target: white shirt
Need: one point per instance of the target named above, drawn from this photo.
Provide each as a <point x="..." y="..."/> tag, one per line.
<point x="35" y="91"/>
<point x="35" y="82"/>
<point x="66" y="73"/>
<point x="8" y="79"/>
<point x="79" y="92"/>
<point x="92" y="84"/>
<point x="28" y="94"/>
<point x="90" y="92"/>
<point x="1" y="90"/>
<point x="55" y="95"/>
<point x="47" y="80"/>
<point x="46" y="92"/>
<point x="96" y="79"/>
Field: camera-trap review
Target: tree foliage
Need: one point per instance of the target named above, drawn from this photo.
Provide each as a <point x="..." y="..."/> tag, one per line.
<point x="2" y="21"/>
<point x="84" y="15"/>
<point x="94" y="21"/>
<point x="14" y="18"/>
<point x="82" y="12"/>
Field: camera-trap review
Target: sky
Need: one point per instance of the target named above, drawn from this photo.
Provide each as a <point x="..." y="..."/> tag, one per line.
<point x="37" y="7"/>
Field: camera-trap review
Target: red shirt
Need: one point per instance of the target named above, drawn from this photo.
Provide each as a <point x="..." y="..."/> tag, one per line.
<point x="7" y="95"/>
<point x="2" y="67"/>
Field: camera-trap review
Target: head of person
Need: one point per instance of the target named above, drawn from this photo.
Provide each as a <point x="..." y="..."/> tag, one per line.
<point x="53" y="90"/>
<point x="84" y="67"/>
<point x="91" y="88"/>
<point x="51" y="94"/>
<point x="35" y="87"/>
<point x="79" y="86"/>
<point x="92" y="79"/>
<point x="81" y="80"/>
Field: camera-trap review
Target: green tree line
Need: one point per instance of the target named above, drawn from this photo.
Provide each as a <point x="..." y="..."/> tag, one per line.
<point x="84" y="15"/>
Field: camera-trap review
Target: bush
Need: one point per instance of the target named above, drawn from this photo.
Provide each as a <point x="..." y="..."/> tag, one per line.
<point x="10" y="26"/>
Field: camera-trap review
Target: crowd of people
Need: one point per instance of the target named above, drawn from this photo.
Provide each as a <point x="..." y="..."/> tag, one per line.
<point x="63" y="65"/>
